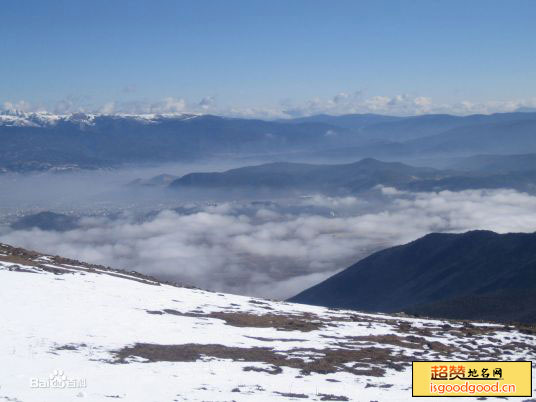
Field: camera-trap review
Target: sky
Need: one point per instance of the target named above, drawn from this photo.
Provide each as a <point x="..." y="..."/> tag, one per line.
<point x="268" y="58"/>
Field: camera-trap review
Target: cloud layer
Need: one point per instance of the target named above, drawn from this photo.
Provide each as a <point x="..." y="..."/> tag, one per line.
<point x="273" y="253"/>
<point x="341" y="103"/>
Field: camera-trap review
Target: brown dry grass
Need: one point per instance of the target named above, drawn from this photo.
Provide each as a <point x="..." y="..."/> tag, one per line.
<point x="366" y="361"/>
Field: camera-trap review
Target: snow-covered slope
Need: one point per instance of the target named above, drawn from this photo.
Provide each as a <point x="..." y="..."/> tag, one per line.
<point x="73" y="331"/>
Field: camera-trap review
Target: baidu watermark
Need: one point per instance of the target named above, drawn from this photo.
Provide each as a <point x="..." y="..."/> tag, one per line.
<point x="58" y="380"/>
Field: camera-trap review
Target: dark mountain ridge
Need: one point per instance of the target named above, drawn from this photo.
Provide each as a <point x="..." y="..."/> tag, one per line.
<point x="475" y="275"/>
<point x="46" y="220"/>
<point x="351" y="177"/>
<point x="364" y="175"/>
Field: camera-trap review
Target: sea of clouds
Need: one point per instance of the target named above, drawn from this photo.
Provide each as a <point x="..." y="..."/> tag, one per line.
<point x="272" y="252"/>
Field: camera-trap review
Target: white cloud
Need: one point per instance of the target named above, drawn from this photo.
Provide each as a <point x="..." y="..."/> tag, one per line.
<point x="18" y="106"/>
<point x="401" y="104"/>
<point x="273" y="253"/>
<point x="341" y="103"/>
<point x="207" y="102"/>
<point x="169" y="105"/>
<point x="107" y="108"/>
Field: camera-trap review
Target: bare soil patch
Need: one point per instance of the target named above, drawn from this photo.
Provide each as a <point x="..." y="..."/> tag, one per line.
<point x="303" y="323"/>
<point x="369" y="361"/>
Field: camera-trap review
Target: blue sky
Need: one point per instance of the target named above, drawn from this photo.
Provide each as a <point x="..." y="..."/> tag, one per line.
<point x="268" y="57"/>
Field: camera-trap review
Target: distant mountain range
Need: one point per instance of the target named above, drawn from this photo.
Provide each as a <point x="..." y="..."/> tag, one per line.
<point x="162" y="180"/>
<point x="508" y="172"/>
<point x="447" y="136"/>
<point x="500" y="164"/>
<point x="40" y="141"/>
<point x="348" y="121"/>
<point x="475" y="275"/>
<point x="46" y="220"/>
<point x="351" y="177"/>
<point x="89" y="141"/>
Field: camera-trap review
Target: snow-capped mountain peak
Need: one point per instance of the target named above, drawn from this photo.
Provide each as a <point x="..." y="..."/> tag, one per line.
<point x="46" y="119"/>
